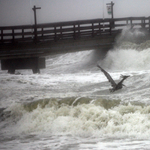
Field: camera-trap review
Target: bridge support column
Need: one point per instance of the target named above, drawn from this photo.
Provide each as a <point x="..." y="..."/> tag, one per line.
<point x="34" y="63"/>
<point x="11" y="71"/>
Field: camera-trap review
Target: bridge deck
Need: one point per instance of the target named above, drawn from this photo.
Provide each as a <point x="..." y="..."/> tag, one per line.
<point x="43" y="39"/>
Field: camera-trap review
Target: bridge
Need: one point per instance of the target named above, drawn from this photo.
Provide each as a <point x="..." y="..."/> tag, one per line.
<point x="25" y="47"/>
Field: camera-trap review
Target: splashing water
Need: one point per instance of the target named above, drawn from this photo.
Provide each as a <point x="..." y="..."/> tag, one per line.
<point x="131" y="59"/>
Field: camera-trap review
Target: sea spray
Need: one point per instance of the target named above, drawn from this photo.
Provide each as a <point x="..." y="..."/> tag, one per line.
<point x="132" y="35"/>
<point x="131" y="51"/>
<point x="122" y="59"/>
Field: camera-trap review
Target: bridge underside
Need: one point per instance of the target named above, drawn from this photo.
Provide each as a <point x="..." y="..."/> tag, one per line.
<point x="44" y="48"/>
<point x="32" y="56"/>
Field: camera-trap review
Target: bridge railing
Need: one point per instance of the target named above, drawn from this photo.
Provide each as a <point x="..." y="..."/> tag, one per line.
<point x="11" y="34"/>
<point x="70" y="29"/>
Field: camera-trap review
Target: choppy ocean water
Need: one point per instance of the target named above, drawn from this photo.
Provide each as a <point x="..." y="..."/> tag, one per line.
<point x="69" y="106"/>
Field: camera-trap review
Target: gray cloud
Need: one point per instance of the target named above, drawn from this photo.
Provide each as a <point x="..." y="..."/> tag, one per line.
<point x="17" y="12"/>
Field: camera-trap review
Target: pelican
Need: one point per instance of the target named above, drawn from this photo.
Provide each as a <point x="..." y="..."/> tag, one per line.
<point x="115" y="86"/>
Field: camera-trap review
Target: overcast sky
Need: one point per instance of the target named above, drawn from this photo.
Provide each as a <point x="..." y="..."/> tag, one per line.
<point x="18" y="12"/>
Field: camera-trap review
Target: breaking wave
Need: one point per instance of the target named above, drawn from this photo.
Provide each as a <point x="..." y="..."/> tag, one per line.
<point x="80" y="116"/>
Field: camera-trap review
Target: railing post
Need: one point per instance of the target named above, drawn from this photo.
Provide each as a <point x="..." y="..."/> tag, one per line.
<point x="2" y="35"/>
<point x="99" y="28"/>
<point x="92" y="29"/>
<point x="74" y="28"/>
<point x="61" y="35"/>
<point x="78" y="30"/>
<point x="42" y="32"/>
<point x="13" y="36"/>
<point x="110" y="23"/>
<point x="23" y="33"/>
<point x="143" y="23"/>
<point x="55" y="38"/>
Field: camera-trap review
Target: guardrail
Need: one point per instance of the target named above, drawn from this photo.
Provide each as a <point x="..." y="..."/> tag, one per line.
<point x="69" y="30"/>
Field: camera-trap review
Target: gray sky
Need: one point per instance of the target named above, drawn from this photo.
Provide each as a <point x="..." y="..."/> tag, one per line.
<point x="18" y="12"/>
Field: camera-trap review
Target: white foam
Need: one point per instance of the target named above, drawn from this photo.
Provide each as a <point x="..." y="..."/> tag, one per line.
<point x="86" y="120"/>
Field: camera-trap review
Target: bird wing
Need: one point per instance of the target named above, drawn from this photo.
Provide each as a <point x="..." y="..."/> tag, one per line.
<point x="124" y="77"/>
<point x="113" y="84"/>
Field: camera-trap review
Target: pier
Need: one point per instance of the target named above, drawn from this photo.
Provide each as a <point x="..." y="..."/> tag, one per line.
<point x="25" y="47"/>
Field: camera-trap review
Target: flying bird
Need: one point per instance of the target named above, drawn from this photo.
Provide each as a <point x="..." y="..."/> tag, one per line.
<point x="115" y="86"/>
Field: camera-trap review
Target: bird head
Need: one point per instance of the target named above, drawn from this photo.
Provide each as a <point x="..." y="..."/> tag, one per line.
<point x="124" y="77"/>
